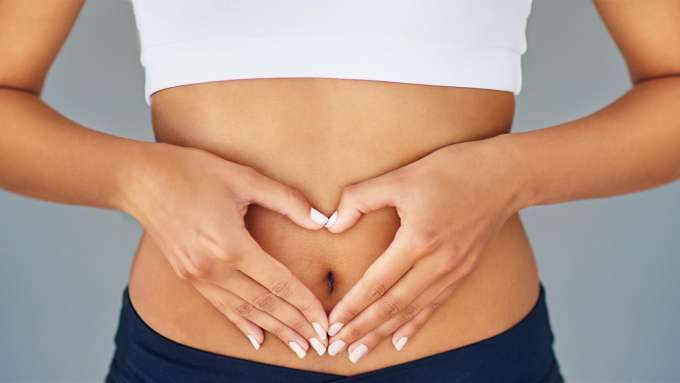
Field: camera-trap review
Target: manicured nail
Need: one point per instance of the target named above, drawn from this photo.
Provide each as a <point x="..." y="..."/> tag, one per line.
<point x="317" y="217"/>
<point x="357" y="353"/>
<point x="332" y="219"/>
<point x="254" y="342"/>
<point x="317" y="346"/>
<point x="319" y="331"/>
<point x="297" y="349"/>
<point x="336" y="347"/>
<point x="400" y="343"/>
<point x="335" y="328"/>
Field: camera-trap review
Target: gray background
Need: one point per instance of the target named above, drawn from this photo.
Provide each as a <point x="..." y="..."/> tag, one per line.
<point x="609" y="265"/>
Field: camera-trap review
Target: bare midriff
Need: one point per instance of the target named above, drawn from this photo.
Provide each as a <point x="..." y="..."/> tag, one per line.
<point x="319" y="135"/>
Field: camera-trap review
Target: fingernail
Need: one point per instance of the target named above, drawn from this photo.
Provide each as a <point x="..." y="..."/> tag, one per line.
<point x="317" y="346"/>
<point x="254" y="342"/>
<point x="357" y="353"/>
<point x="319" y="331"/>
<point x="336" y="347"/>
<point x="317" y="217"/>
<point x="332" y="219"/>
<point x="297" y="349"/>
<point x="400" y="343"/>
<point x="335" y="328"/>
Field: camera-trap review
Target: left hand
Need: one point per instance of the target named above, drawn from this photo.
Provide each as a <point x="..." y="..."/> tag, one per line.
<point x="451" y="203"/>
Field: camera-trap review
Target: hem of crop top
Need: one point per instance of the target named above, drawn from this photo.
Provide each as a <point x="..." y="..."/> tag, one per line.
<point x="403" y="61"/>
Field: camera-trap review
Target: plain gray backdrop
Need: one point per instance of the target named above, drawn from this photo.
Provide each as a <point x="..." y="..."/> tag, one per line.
<point x="609" y="265"/>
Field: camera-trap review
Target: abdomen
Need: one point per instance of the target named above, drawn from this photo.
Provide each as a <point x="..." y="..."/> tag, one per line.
<point x="319" y="135"/>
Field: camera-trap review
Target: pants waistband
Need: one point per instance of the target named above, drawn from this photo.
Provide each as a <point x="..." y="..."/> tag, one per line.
<point x="522" y="353"/>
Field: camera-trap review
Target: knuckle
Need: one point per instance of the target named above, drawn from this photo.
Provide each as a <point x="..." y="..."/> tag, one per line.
<point x="400" y="176"/>
<point x="207" y="241"/>
<point x="220" y="305"/>
<point x="229" y="256"/>
<point x="182" y="273"/>
<point x="410" y="311"/>
<point x="202" y="266"/>
<point x="265" y="302"/>
<point x="349" y="191"/>
<point x="293" y="196"/>
<point x="467" y="267"/>
<point x="389" y="308"/>
<point x="425" y="241"/>
<point x="377" y="291"/>
<point x="244" y="309"/>
<point x="350" y="311"/>
<point x="247" y="175"/>
<point x="350" y="196"/>
<point x="298" y="325"/>
<point x="248" y="172"/>
<point x="450" y="262"/>
<point x="419" y="321"/>
<point x="280" y="330"/>
<point x="282" y="288"/>
<point x="458" y="265"/>
<point x="304" y="308"/>
<point x="354" y="332"/>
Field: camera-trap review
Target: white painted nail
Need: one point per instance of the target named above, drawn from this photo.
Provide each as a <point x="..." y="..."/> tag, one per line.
<point x="336" y="347"/>
<point x="319" y="331"/>
<point x="254" y="342"/>
<point x="317" y="217"/>
<point x="335" y="328"/>
<point x="400" y="343"/>
<point x="357" y="353"/>
<point x="332" y="219"/>
<point x="317" y="346"/>
<point x="297" y="349"/>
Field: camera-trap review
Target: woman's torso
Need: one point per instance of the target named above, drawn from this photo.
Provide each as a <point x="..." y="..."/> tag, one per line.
<point x="319" y="135"/>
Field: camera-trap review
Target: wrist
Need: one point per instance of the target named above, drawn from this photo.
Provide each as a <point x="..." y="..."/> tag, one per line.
<point x="517" y="170"/>
<point x="136" y="172"/>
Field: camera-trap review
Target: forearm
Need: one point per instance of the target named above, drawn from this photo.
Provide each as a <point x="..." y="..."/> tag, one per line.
<point x="44" y="155"/>
<point x="630" y="145"/>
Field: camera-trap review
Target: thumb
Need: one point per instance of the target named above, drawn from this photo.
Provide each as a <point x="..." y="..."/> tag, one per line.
<point x="285" y="200"/>
<point x="361" y="198"/>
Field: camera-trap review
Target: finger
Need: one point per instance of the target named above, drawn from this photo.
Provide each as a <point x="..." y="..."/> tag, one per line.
<point x="361" y="198"/>
<point x="279" y="280"/>
<point x="285" y="200"/>
<point x="263" y="299"/>
<point x="410" y="328"/>
<point x="175" y="265"/>
<point x="415" y="315"/>
<point x="231" y="305"/>
<point x="431" y="271"/>
<point x="377" y="279"/>
<point x="254" y="334"/>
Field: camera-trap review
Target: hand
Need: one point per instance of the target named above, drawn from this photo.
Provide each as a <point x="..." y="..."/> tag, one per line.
<point x="193" y="203"/>
<point x="451" y="204"/>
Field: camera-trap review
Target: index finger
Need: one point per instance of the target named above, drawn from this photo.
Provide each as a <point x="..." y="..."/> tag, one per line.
<point x="277" y="278"/>
<point x="384" y="272"/>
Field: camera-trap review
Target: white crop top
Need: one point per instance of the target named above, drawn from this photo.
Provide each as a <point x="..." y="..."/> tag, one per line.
<point x="463" y="43"/>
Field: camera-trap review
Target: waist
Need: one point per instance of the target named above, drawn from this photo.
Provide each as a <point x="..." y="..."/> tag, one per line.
<point x="319" y="135"/>
<point x="522" y="353"/>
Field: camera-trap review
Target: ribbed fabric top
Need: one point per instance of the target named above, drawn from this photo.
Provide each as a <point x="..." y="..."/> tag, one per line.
<point x="462" y="43"/>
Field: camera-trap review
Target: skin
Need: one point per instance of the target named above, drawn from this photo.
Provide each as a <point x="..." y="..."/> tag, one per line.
<point x="436" y="247"/>
<point x="448" y="255"/>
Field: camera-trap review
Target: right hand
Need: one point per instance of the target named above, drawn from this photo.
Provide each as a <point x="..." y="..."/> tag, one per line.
<point x="192" y="203"/>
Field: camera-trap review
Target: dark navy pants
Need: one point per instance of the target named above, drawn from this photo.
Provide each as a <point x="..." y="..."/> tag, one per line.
<point x="521" y="354"/>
